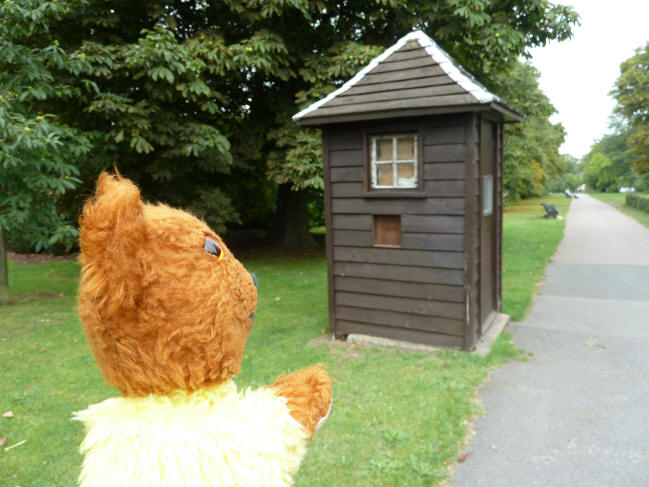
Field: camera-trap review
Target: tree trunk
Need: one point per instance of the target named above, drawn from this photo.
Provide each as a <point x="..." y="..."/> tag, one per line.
<point x="291" y="228"/>
<point x="4" y="281"/>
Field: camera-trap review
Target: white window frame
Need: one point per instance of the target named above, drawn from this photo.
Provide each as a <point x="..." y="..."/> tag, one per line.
<point x="394" y="161"/>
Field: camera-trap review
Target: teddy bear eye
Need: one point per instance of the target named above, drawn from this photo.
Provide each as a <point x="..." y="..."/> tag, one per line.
<point x="213" y="247"/>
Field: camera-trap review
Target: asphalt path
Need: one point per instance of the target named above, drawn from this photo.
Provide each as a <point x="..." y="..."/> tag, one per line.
<point x="577" y="413"/>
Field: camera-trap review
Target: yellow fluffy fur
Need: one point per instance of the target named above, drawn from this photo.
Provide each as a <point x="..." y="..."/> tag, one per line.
<point x="211" y="437"/>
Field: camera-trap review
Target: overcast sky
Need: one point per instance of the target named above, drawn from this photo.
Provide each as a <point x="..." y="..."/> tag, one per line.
<point x="578" y="74"/>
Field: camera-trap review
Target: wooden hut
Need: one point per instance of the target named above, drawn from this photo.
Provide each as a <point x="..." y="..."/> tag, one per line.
<point x="413" y="164"/>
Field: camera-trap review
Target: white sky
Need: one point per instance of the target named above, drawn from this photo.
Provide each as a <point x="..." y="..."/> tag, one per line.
<point x="578" y="74"/>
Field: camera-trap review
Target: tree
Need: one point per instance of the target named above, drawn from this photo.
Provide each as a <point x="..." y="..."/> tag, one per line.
<point x="598" y="173"/>
<point x="569" y="178"/>
<point x="531" y="149"/>
<point x="39" y="155"/>
<point x="632" y="95"/>
<point x="187" y="92"/>
<point x="620" y="160"/>
<point x="193" y="99"/>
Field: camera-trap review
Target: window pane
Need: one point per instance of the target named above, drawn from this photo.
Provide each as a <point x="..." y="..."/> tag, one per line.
<point x="384" y="149"/>
<point x="406" y="175"/>
<point x="385" y="175"/>
<point x="406" y="148"/>
<point x="487" y="195"/>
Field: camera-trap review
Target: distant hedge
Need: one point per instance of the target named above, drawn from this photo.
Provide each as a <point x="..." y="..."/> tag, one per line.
<point x="639" y="202"/>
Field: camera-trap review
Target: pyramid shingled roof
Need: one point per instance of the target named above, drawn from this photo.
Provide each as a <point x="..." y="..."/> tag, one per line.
<point x="414" y="76"/>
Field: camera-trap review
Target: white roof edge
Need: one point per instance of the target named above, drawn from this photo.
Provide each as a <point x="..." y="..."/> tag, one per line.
<point x="455" y="71"/>
<point x="446" y="63"/>
<point x="359" y="76"/>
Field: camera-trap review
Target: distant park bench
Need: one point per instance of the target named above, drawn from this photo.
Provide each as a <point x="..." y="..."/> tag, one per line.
<point x="550" y="211"/>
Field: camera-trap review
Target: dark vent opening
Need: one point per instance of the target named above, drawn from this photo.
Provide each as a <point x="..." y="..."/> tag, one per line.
<point x="387" y="230"/>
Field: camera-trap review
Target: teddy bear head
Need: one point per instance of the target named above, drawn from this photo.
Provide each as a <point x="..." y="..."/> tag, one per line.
<point x="164" y="304"/>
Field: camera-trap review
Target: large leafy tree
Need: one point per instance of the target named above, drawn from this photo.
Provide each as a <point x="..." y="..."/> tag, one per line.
<point x="608" y="166"/>
<point x="532" y="159"/>
<point x="187" y="92"/>
<point x="632" y="95"/>
<point x="194" y="99"/>
<point x="39" y="155"/>
<point x="598" y="173"/>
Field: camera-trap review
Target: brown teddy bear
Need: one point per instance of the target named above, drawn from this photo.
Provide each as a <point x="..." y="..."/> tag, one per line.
<point x="167" y="310"/>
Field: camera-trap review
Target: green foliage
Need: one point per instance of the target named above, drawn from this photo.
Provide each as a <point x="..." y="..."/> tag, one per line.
<point x="632" y="95"/>
<point x="608" y="165"/>
<point x="570" y="178"/>
<point x="531" y="148"/>
<point x="598" y="174"/>
<point x="250" y="62"/>
<point x="193" y="100"/>
<point x="39" y="155"/>
<point x="298" y="157"/>
<point x="170" y="97"/>
<point x="639" y="202"/>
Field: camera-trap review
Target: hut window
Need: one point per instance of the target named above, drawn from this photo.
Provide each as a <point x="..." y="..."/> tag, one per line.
<point x="394" y="161"/>
<point x="487" y="195"/>
<point x="387" y="230"/>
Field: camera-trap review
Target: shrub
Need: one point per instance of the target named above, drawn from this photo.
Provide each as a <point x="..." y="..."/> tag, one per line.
<point x="638" y="202"/>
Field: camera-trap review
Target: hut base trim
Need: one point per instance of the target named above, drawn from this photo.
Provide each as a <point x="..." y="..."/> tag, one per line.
<point x="387" y="342"/>
<point x="497" y="323"/>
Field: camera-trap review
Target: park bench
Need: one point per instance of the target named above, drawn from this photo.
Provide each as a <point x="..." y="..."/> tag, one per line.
<point x="550" y="211"/>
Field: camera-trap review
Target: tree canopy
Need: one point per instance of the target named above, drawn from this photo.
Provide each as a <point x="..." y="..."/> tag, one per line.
<point x="632" y="95"/>
<point x="193" y="99"/>
<point x="40" y="155"/>
<point x="531" y="149"/>
<point x="609" y="163"/>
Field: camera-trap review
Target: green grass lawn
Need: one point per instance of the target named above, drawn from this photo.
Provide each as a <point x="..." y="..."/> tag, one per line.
<point x="398" y="418"/>
<point x="618" y="201"/>
<point x="529" y="242"/>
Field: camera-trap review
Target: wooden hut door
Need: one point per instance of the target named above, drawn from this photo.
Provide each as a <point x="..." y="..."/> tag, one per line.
<point x="488" y="222"/>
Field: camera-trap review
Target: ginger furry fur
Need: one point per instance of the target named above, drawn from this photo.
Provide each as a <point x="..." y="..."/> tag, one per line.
<point x="167" y="319"/>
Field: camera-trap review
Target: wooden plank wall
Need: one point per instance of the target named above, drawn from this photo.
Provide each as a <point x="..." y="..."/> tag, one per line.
<point x="417" y="292"/>
<point x="499" y="215"/>
<point x="474" y="218"/>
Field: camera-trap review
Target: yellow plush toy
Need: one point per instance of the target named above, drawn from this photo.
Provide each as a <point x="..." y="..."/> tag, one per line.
<point x="167" y="310"/>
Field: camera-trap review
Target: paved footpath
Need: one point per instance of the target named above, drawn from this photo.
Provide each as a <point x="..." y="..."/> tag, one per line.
<point x="576" y="414"/>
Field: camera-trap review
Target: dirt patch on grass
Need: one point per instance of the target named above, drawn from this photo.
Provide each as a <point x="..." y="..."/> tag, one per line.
<point x="39" y="258"/>
<point x="339" y="348"/>
<point x="24" y="297"/>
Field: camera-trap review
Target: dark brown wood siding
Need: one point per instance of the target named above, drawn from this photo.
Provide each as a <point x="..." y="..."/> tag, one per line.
<point x="416" y="292"/>
<point x="499" y="215"/>
<point x="472" y="232"/>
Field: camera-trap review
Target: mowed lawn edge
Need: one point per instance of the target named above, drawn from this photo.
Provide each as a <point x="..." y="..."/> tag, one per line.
<point x="398" y="418"/>
<point x="529" y="242"/>
<point x="618" y="201"/>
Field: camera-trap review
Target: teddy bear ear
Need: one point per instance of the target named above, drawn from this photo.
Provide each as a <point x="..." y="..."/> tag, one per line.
<point x="115" y="208"/>
<point x="112" y="227"/>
